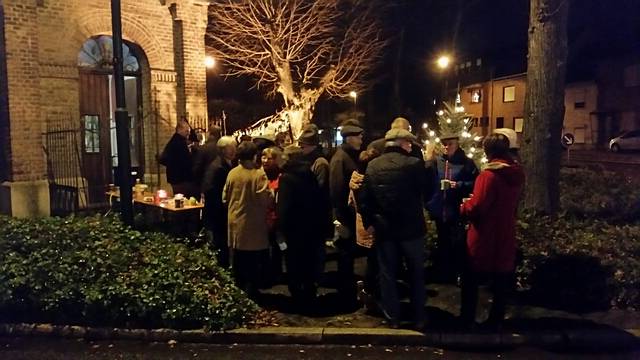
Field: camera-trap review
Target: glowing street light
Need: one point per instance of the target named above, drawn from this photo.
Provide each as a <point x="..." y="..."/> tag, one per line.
<point x="209" y="62"/>
<point x="443" y="62"/>
<point x="354" y="96"/>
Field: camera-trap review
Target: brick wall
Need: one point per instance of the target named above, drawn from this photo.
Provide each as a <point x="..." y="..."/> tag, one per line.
<point x="43" y="39"/>
<point x="5" y="145"/>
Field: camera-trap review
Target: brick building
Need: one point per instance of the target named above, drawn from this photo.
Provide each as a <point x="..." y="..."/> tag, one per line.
<point x="56" y="92"/>
<point x="595" y="110"/>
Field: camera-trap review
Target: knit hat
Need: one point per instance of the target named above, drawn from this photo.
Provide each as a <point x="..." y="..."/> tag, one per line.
<point x="399" y="134"/>
<point x="350" y="127"/>
<point x="511" y="135"/>
<point x="309" y="135"/>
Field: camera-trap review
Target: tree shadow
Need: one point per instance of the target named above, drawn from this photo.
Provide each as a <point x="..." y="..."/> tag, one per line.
<point x="574" y="283"/>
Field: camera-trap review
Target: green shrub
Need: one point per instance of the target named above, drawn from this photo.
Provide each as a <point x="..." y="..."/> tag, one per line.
<point x="603" y="195"/>
<point x="97" y="271"/>
<point x="580" y="265"/>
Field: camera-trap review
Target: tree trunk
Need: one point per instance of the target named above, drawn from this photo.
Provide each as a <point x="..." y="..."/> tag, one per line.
<point x="544" y="104"/>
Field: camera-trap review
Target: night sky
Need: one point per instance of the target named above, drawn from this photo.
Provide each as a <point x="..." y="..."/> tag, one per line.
<point x="493" y="30"/>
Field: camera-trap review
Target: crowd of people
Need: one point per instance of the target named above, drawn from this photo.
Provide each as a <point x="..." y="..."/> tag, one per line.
<point x="271" y="208"/>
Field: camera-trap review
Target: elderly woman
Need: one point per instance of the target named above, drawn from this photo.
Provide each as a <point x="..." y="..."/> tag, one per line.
<point x="491" y="238"/>
<point x="248" y="198"/>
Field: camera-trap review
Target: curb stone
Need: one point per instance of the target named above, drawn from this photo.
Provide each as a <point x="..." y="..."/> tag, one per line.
<point x="571" y="339"/>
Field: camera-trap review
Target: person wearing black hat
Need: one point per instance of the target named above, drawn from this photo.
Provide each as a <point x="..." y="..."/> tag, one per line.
<point x="451" y="176"/>
<point x="391" y="205"/>
<point x="343" y="164"/>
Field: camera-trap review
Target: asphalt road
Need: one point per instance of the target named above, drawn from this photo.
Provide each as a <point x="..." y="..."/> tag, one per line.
<point x="57" y="349"/>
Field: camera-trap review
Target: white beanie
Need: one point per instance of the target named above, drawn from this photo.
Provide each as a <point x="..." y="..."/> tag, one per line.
<point x="511" y="136"/>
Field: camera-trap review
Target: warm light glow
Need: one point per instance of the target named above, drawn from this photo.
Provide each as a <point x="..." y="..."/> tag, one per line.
<point x="440" y="113"/>
<point x="353" y="94"/>
<point x="425" y="125"/>
<point x="472" y="149"/>
<point x="209" y="62"/>
<point x="432" y="133"/>
<point x="477" y="138"/>
<point x="437" y="140"/>
<point x="443" y="61"/>
<point x="448" y="121"/>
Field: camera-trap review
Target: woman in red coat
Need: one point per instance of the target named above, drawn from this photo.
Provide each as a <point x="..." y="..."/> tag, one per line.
<point x="491" y="238"/>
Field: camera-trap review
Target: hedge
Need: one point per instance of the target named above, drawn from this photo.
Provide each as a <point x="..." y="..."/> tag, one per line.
<point x="588" y="257"/>
<point x="97" y="271"/>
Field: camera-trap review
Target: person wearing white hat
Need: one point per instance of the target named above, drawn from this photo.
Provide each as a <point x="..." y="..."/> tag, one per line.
<point x="514" y="146"/>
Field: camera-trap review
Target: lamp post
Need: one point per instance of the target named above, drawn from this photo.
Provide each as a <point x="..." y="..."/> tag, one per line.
<point x="354" y="96"/>
<point x="122" y="119"/>
<point x="209" y="62"/>
<point x="443" y="62"/>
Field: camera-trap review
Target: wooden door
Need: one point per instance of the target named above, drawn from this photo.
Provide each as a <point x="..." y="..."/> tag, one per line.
<point x="96" y="146"/>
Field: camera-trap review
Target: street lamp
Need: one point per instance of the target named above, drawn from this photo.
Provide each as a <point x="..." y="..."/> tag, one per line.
<point x="443" y="62"/>
<point x="354" y="96"/>
<point x="209" y="62"/>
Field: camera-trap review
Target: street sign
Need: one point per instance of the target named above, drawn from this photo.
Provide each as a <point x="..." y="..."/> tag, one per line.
<point x="568" y="139"/>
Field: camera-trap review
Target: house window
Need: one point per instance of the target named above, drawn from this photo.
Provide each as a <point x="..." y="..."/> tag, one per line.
<point x="509" y="93"/>
<point x="499" y="122"/>
<point x="518" y="123"/>
<point x="476" y="96"/>
<point x="91" y="134"/>
<point x="579" y="105"/>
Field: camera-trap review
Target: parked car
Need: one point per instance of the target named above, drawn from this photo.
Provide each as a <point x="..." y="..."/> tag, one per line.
<point x="628" y="140"/>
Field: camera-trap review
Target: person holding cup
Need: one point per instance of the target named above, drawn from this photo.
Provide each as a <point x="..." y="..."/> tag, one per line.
<point x="452" y="176"/>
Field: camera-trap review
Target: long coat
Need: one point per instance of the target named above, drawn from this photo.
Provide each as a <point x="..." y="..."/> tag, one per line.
<point x="248" y="198"/>
<point x="491" y="238"/>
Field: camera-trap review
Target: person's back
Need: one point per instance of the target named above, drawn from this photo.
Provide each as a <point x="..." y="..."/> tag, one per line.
<point x="396" y="182"/>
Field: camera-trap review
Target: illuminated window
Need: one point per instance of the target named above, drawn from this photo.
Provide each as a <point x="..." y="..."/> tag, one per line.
<point x="509" y="94"/>
<point x="476" y="96"/>
<point x="91" y="134"/>
<point x="97" y="54"/>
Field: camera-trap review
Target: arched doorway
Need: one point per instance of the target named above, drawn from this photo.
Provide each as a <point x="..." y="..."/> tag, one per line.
<point x="97" y="107"/>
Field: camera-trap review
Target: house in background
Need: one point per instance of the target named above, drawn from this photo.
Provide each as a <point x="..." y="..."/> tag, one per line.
<point x="57" y="132"/>
<point x="595" y="111"/>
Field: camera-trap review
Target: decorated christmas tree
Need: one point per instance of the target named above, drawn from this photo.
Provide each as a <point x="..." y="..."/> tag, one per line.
<point x="453" y="120"/>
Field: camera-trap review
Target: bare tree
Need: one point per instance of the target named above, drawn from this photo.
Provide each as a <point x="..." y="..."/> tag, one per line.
<point x="544" y="103"/>
<point x="299" y="49"/>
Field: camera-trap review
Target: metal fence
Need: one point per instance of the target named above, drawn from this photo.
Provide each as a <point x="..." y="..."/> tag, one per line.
<point x="67" y="187"/>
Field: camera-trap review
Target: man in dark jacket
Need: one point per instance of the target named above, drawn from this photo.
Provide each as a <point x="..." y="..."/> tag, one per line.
<point x="300" y="215"/>
<point x="391" y="205"/>
<point x="176" y="156"/>
<point x="205" y="155"/>
<point x="342" y="165"/>
<point x="451" y="177"/>
<point x="214" y="214"/>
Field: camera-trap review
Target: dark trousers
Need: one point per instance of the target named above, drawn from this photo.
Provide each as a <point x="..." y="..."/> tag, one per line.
<point x="371" y="276"/>
<point x="249" y="269"/>
<point x="501" y="284"/>
<point x="301" y="270"/>
<point x="275" y="258"/>
<point x="449" y="254"/>
<point x="219" y="243"/>
<point x="346" y="277"/>
<point x="390" y="254"/>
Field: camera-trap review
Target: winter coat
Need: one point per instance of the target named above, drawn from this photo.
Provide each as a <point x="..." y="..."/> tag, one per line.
<point x="391" y="197"/>
<point x="320" y="168"/>
<point x="299" y="206"/>
<point x="214" y="214"/>
<point x="177" y="158"/>
<point x="444" y="204"/>
<point x="491" y="238"/>
<point x="203" y="156"/>
<point x="248" y="198"/>
<point x="343" y="163"/>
